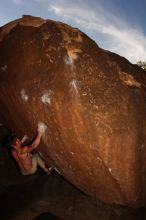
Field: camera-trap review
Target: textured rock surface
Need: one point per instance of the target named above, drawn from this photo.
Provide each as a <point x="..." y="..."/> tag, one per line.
<point x="91" y="100"/>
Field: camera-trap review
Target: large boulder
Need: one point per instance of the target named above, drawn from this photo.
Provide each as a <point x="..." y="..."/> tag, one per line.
<point x="92" y="101"/>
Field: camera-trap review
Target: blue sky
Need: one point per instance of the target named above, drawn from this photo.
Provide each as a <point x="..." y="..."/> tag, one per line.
<point x="115" y="25"/>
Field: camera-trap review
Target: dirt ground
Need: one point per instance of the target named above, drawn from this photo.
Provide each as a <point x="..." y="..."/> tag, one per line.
<point x="26" y="197"/>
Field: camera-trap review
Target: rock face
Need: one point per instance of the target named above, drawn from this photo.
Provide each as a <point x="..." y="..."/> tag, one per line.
<point x="92" y="101"/>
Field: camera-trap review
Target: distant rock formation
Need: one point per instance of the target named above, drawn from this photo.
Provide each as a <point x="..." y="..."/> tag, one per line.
<point x="92" y="101"/>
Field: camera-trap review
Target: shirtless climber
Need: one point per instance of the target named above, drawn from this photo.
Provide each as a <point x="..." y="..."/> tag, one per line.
<point x="26" y="160"/>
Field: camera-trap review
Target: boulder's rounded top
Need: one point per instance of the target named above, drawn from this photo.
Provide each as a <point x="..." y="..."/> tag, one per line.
<point x="26" y="20"/>
<point x="31" y="21"/>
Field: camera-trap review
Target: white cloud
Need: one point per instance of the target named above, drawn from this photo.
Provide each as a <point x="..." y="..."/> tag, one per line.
<point x="121" y="38"/>
<point x="17" y="2"/>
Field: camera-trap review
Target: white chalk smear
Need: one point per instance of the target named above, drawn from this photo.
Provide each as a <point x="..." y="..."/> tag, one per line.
<point x="56" y="170"/>
<point x="46" y="97"/>
<point x="68" y="60"/>
<point x="24" y="96"/>
<point x="142" y="146"/>
<point x="42" y="126"/>
<point x="25" y="137"/>
<point x="3" y="68"/>
<point x="41" y="155"/>
<point x="99" y="159"/>
<point x="110" y="169"/>
<point x="73" y="84"/>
